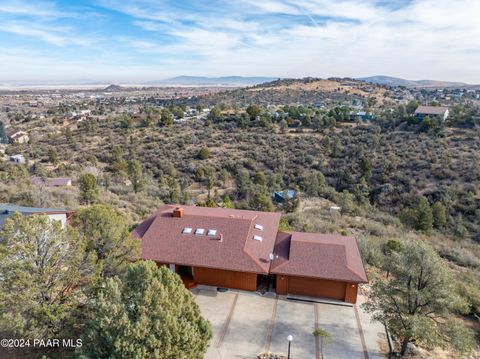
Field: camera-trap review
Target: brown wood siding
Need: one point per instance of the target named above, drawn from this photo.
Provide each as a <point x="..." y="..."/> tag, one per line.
<point x="351" y="293"/>
<point x="316" y="287"/>
<point x="282" y="284"/>
<point x="225" y="278"/>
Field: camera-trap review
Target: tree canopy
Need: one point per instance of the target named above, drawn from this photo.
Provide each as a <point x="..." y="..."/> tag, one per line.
<point x="40" y="266"/>
<point x="108" y="239"/>
<point x="88" y="188"/>
<point x="148" y="314"/>
<point x="417" y="300"/>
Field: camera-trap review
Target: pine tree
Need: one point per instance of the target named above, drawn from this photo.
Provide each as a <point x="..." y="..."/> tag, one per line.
<point x="88" y="188"/>
<point x="418" y="301"/>
<point x="135" y="173"/>
<point x="439" y="213"/>
<point x="424" y="215"/>
<point x="41" y="265"/>
<point x="3" y="134"/>
<point x="227" y="202"/>
<point x="108" y="239"/>
<point x="148" y="314"/>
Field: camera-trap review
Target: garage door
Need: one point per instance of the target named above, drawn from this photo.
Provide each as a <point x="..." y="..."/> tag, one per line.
<point x="225" y="278"/>
<point x="316" y="287"/>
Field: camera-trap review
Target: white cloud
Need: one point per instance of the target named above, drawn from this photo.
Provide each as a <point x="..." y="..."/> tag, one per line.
<point x="46" y="9"/>
<point x="290" y="38"/>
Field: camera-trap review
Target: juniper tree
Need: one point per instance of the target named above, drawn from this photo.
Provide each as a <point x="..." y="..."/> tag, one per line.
<point x="41" y="265"/>
<point x="425" y="216"/>
<point x="439" y="213"/>
<point x="88" y="188"/>
<point x="418" y="300"/>
<point x="107" y="239"/>
<point x="3" y="134"/>
<point x="135" y="173"/>
<point x="148" y="314"/>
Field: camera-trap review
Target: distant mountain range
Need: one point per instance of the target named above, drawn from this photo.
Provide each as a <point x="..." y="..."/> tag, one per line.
<point x="232" y="81"/>
<point x="214" y="81"/>
<point x="395" y="81"/>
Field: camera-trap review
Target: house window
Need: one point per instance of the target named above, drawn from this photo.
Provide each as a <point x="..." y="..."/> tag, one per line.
<point x="187" y="230"/>
<point x="212" y="232"/>
<point x="259" y="227"/>
<point x="199" y="231"/>
<point x="257" y="238"/>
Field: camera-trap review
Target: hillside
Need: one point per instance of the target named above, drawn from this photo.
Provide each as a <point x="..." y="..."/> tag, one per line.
<point x="218" y="81"/>
<point x="396" y="81"/>
<point x="302" y="91"/>
<point x="379" y="173"/>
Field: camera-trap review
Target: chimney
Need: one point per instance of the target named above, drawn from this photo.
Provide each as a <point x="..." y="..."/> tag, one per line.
<point x="178" y="212"/>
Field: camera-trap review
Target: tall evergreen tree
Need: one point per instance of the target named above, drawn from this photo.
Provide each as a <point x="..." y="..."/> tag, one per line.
<point x="135" y="172"/>
<point x="3" y="134"/>
<point x="425" y="216"/>
<point x="439" y="213"/>
<point x="148" y="314"/>
<point x="108" y="239"/>
<point x="88" y="188"/>
<point x="41" y="264"/>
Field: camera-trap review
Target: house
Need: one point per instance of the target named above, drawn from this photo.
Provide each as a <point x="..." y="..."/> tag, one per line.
<point x="361" y="116"/>
<point x="431" y="111"/>
<point x="17" y="159"/>
<point x="51" y="182"/>
<point x="7" y="210"/>
<point x="230" y="248"/>
<point x="279" y="196"/>
<point x="19" y="137"/>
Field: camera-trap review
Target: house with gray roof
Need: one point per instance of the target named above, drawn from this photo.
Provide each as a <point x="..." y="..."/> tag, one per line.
<point x="56" y="214"/>
<point x="431" y="111"/>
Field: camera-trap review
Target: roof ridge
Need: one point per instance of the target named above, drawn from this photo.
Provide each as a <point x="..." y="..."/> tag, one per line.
<point x="257" y="262"/>
<point x="223" y="216"/>
<point x="359" y="276"/>
<point x="347" y="266"/>
<point x="363" y="264"/>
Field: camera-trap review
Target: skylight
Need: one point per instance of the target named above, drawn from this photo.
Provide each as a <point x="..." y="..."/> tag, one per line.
<point x="257" y="238"/>
<point x="199" y="231"/>
<point x="212" y="232"/>
<point x="187" y="230"/>
<point x="259" y="226"/>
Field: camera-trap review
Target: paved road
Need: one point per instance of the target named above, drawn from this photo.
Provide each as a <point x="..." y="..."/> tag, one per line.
<point x="245" y="324"/>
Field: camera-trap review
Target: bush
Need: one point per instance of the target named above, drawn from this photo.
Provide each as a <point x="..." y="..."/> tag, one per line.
<point x="204" y="153"/>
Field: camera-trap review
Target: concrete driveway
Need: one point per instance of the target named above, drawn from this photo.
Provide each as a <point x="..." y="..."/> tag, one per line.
<point x="246" y="324"/>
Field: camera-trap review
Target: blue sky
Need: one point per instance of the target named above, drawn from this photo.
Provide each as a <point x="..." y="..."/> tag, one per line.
<point x="145" y="40"/>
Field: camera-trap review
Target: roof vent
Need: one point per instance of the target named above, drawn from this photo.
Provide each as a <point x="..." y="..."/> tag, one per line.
<point x="259" y="227"/>
<point x="199" y="231"/>
<point x="187" y="230"/>
<point x="218" y="238"/>
<point x="211" y="232"/>
<point x="257" y="238"/>
<point x="178" y="212"/>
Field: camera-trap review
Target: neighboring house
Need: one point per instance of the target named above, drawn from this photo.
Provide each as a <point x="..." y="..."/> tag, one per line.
<point x="244" y="249"/>
<point x="362" y="116"/>
<point x="431" y="111"/>
<point x="51" y="182"/>
<point x="7" y="210"/>
<point x="17" y="159"/>
<point x="19" y="137"/>
<point x="279" y="196"/>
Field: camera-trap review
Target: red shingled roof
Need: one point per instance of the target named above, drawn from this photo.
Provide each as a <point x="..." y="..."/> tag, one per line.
<point x="315" y="255"/>
<point x="163" y="241"/>
<point x="234" y="248"/>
